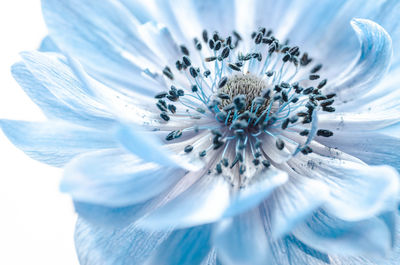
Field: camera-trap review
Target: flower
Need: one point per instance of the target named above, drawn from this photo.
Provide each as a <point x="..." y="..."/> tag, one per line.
<point x="204" y="142"/>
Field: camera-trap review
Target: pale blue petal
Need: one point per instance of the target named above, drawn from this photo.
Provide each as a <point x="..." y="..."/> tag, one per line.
<point x="112" y="217"/>
<point x="242" y="240"/>
<point x="371" y="147"/>
<point x="392" y="258"/>
<point x="363" y="192"/>
<point x="161" y="41"/>
<point x="53" y="75"/>
<point x="184" y="247"/>
<point x="139" y="9"/>
<point x="291" y="251"/>
<point x="357" y="191"/>
<point x="371" y="66"/>
<point x="42" y="97"/>
<point x="116" y="178"/>
<point x="210" y="199"/>
<point x="369" y="237"/>
<point x="294" y="202"/>
<point x="105" y="246"/>
<point x="103" y="37"/>
<point x="310" y="24"/>
<point x="147" y="146"/>
<point x="358" y="122"/>
<point x="55" y="143"/>
<point x="203" y="202"/>
<point x="216" y="15"/>
<point x="48" y="45"/>
<point x="261" y="186"/>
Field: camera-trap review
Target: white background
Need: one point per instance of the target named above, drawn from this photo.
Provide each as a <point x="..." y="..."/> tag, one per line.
<point x="36" y="220"/>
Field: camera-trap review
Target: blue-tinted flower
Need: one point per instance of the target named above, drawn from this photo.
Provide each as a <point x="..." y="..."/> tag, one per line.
<point x="191" y="134"/>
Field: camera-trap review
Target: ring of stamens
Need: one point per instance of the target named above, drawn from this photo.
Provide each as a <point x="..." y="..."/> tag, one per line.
<point x="248" y="105"/>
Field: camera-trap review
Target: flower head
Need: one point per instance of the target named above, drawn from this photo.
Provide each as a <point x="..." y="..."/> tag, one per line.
<point x="208" y="132"/>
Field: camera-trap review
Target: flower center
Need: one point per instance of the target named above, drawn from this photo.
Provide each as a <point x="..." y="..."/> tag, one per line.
<point x="245" y="101"/>
<point x="243" y="92"/>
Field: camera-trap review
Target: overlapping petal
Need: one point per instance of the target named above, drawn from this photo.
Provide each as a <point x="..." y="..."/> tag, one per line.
<point x="55" y="143"/>
<point x="210" y="199"/>
<point x="116" y="178"/>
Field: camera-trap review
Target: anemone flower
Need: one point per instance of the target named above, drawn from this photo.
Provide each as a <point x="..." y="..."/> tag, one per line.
<point x="221" y="132"/>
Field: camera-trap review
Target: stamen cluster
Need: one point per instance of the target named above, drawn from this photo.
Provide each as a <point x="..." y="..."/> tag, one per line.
<point x="250" y="96"/>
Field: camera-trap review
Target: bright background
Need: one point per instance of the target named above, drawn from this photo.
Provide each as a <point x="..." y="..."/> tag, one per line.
<point x="36" y="220"/>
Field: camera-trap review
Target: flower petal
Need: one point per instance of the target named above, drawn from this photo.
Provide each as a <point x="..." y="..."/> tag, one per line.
<point x="51" y="106"/>
<point x="112" y="217"/>
<point x="105" y="246"/>
<point x="293" y="202"/>
<point x="203" y="202"/>
<point x="48" y="45"/>
<point x="116" y="178"/>
<point x="369" y="237"/>
<point x="357" y="191"/>
<point x="146" y="146"/>
<point x="54" y="74"/>
<point x="260" y="187"/>
<point x="102" y="36"/>
<point x="371" y="147"/>
<point x="241" y="240"/>
<point x="209" y="200"/>
<point x="55" y="143"/>
<point x="372" y="64"/>
<point x="353" y="122"/>
<point x="186" y="246"/>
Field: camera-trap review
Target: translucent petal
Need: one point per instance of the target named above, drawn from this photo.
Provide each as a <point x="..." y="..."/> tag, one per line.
<point x="52" y="106"/>
<point x="48" y="45"/>
<point x="372" y="64"/>
<point x="293" y="202"/>
<point x="357" y="191"/>
<point x="146" y="146"/>
<point x="210" y="199"/>
<point x="371" y="147"/>
<point x="55" y="143"/>
<point x="116" y="178"/>
<point x="53" y="73"/>
<point x="103" y="37"/>
<point x="241" y="240"/>
<point x="203" y="202"/>
<point x="105" y="246"/>
<point x="186" y="246"/>
<point x="369" y="237"/>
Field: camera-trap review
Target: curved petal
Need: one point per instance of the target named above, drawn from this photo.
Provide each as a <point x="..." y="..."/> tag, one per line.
<point x="357" y="191"/>
<point x="358" y="122"/>
<point x="371" y="147"/>
<point x="186" y="246"/>
<point x="203" y="202"/>
<point x="372" y="64"/>
<point x="55" y="143"/>
<point x="103" y="37"/>
<point x="48" y="45"/>
<point x="260" y="187"/>
<point x="210" y="199"/>
<point x="242" y="240"/>
<point x="54" y="74"/>
<point x="146" y="146"/>
<point x="370" y="237"/>
<point x="112" y="217"/>
<point x="289" y="250"/>
<point x="51" y="106"/>
<point x="116" y="178"/>
<point x="293" y="202"/>
<point x="364" y="192"/>
<point x="105" y="246"/>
